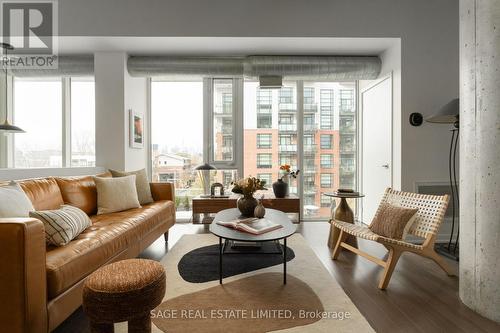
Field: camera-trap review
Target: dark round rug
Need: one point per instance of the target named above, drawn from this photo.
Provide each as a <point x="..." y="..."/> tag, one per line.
<point x="202" y="264"/>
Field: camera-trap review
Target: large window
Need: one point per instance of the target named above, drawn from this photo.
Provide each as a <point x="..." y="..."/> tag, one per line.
<point x="38" y="109"/>
<point x="326" y="161"/>
<point x="326" y="108"/>
<point x="82" y="123"/>
<point x="326" y="180"/>
<point x="177" y="138"/>
<point x="267" y="177"/>
<point x="264" y="161"/>
<point x="223" y="119"/>
<point x="264" y="140"/>
<point x="326" y="141"/>
<point x="266" y="123"/>
<point x="264" y="108"/>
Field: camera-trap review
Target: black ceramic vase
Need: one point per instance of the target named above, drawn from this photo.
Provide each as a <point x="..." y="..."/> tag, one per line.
<point x="246" y="205"/>
<point x="280" y="188"/>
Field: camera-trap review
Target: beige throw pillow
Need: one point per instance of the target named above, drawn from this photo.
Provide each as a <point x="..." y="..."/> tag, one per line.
<point x="391" y="221"/>
<point x="62" y="225"/>
<point x="116" y="194"/>
<point x="141" y="182"/>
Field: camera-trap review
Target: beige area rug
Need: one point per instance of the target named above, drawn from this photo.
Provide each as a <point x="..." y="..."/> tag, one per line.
<point x="311" y="301"/>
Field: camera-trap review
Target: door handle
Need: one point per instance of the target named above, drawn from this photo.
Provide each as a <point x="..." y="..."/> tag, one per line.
<point x="385" y="166"/>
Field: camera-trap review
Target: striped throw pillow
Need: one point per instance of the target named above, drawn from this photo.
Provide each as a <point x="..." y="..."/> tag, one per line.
<point x="62" y="225"/>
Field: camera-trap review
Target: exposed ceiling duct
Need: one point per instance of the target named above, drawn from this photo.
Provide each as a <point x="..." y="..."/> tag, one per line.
<point x="71" y="65"/>
<point x="328" y="68"/>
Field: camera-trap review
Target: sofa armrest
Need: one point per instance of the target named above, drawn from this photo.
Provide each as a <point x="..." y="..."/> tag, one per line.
<point x="23" y="286"/>
<point x="163" y="191"/>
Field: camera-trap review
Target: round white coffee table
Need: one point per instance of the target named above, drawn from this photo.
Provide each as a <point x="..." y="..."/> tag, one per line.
<point x="229" y="234"/>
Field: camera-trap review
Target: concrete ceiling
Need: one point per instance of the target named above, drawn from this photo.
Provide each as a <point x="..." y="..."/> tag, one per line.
<point x="227" y="46"/>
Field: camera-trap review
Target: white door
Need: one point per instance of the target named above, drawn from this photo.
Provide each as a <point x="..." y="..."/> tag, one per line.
<point x="376" y="149"/>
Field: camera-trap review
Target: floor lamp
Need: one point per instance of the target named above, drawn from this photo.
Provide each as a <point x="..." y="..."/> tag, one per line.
<point x="449" y="114"/>
<point x="6" y="127"/>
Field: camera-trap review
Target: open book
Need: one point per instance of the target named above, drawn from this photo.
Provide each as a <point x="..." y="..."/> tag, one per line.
<point x="252" y="225"/>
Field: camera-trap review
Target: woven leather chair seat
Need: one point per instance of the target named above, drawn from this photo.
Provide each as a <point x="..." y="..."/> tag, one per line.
<point x="126" y="290"/>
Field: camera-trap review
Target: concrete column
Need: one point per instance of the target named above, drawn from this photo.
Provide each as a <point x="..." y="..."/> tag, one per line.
<point x="111" y="121"/>
<point x="480" y="156"/>
<point x="116" y="93"/>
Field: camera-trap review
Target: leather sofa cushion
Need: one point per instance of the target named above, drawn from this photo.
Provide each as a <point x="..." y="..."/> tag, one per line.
<point x="79" y="192"/>
<point x="43" y="193"/>
<point x="109" y="235"/>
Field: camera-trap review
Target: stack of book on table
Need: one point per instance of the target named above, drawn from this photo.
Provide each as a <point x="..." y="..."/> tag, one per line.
<point x="346" y="193"/>
<point x="252" y="225"/>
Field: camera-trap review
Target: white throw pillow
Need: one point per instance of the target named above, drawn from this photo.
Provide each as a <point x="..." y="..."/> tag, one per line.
<point x="116" y="194"/>
<point x="14" y="202"/>
<point x="62" y="225"/>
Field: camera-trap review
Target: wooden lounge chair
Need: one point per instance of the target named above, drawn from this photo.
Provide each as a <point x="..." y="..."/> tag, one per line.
<point x="431" y="210"/>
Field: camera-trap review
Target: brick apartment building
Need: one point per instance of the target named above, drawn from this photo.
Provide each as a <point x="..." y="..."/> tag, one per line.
<point x="271" y="137"/>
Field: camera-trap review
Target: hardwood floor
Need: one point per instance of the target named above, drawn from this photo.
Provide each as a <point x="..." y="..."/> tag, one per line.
<point x="420" y="296"/>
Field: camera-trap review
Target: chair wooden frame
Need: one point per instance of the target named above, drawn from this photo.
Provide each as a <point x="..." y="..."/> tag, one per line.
<point x="430" y="215"/>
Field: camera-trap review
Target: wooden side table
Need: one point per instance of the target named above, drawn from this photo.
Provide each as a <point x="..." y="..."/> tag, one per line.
<point x="204" y="208"/>
<point x="342" y="213"/>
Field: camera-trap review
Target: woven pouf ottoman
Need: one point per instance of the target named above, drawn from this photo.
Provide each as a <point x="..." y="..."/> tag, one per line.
<point x="126" y="290"/>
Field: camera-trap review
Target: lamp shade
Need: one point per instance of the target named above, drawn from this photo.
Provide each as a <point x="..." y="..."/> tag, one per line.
<point x="448" y="114"/>
<point x="8" y="128"/>
<point x="204" y="166"/>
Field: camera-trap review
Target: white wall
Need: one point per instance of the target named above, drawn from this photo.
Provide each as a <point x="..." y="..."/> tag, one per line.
<point x="136" y="99"/>
<point x="116" y="93"/>
<point x="429" y="47"/>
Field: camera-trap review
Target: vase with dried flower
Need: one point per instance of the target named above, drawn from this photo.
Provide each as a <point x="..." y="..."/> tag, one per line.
<point x="281" y="188"/>
<point x="247" y="187"/>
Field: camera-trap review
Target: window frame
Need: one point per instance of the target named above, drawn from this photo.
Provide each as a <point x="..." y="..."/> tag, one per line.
<point x="66" y="130"/>
<point x="261" y="145"/>
<point x="330" y="145"/>
<point x="323" y="185"/>
<point x="264" y="166"/>
<point x="236" y="129"/>
<point x="238" y="126"/>
<point x="326" y="157"/>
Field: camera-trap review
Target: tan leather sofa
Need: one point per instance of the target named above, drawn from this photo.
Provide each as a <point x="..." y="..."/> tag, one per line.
<point x="40" y="285"/>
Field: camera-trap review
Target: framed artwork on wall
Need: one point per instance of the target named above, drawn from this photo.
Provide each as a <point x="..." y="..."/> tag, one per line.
<point x="136" y="129"/>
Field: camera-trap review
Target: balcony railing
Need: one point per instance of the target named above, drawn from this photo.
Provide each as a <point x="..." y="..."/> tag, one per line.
<point x="346" y="111"/>
<point x="288" y="107"/>
<point x="310" y="169"/>
<point x="310" y="127"/>
<point x="287" y="148"/>
<point x="227" y="129"/>
<point x="223" y="110"/>
<point x="310" y="149"/>
<point x="264" y="108"/>
<point x="287" y="127"/>
<point x="347" y="168"/>
<point x="347" y="129"/>
<point x="347" y="148"/>
<point x="311" y="108"/>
